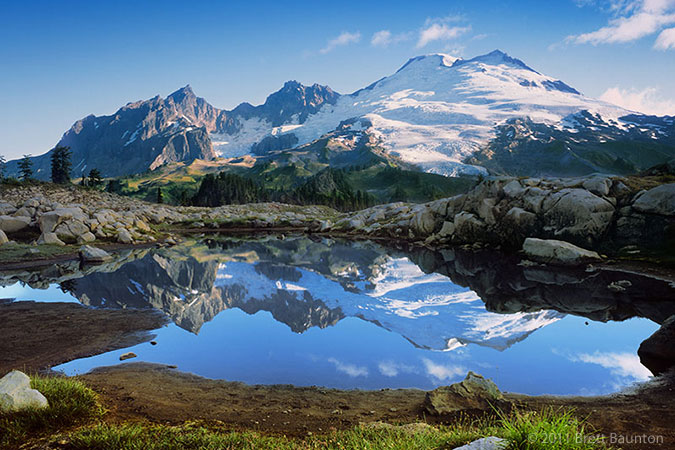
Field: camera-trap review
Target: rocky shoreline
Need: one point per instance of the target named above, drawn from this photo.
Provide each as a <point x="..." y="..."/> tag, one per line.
<point x="596" y="213"/>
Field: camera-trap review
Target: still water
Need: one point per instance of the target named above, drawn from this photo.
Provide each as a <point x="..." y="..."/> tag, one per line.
<point x="347" y="314"/>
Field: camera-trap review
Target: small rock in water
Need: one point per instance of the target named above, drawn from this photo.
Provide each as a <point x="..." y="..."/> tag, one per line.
<point x="16" y="393"/>
<point x="153" y="343"/>
<point x="619" y="286"/>
<point x="128" y="355"/>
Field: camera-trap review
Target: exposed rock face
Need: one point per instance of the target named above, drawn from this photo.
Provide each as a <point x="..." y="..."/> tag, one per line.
<point x="16" y="393"/>
<point x="555" y="252"/>
<point x="474" y="392"/>
<point x="658" y="352"/>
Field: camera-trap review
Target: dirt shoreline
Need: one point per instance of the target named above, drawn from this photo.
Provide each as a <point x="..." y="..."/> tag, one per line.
<point x="37" y="336"/>
<point x="160" y="394"/>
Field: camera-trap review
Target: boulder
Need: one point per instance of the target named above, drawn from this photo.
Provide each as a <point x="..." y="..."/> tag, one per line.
<point x="6" y="209"/>
<point x="659" y="200"/>
<point x="447" y="229"/>
<point x="657" y="353"/>
<point x="16" y="393"/>
<point x="474" y="392"/>
<point x="49" y="220"/>
<point x="423" y="222"/>
<point x="3" y="238"/>
<point x="124" y="237"/>
<point x="86" y="237"/>
<point x="577" y="215"/>
<point x="469" y="228"/>
<point x="89" y="254"/>
<point x="598" y="185"/>
<point x="551" y="251"/>
<point x="10" y="224"/>
<point x="488" y="443"/>
<point x="513" y="189"/>
<point x="50" y="238"/>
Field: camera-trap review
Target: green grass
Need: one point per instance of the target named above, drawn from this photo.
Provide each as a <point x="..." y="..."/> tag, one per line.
<point x="70" y="403"/>
<point x="532" y="431"/>
<point x="548" y="430"/>
<point x="26" y="252"/>
<point x="75" y="420"/>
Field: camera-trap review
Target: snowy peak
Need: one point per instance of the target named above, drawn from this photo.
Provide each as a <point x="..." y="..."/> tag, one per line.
<point x="431" y="60"/>
<point x="496" y="58"/>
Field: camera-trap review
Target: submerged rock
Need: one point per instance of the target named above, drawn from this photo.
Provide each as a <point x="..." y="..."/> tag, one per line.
<point x="551" y="251"/>
<point x="128" y="355"/>
<point x="16" y="393"/>
<point x="657" y="353"/>
<point x="474" y="392"/>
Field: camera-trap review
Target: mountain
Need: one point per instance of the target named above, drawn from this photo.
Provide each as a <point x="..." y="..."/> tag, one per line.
<point x="145" y="135"/>
<point x="437" y="114"/>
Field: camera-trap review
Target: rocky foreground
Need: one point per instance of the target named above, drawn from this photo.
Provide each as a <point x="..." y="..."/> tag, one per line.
<point x="597" y="213"/>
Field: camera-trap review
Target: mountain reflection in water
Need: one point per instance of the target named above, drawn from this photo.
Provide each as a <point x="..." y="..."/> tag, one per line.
<point x="443" y="301"/>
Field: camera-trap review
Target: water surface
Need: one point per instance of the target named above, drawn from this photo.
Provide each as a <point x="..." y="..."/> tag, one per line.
<point x="358" y="315"/>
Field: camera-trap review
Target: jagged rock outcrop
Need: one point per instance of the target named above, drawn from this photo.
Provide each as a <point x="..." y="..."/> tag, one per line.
<point x="472" y="393"/>
<point x="595" y="212"/>
<point x="657" y="353"/>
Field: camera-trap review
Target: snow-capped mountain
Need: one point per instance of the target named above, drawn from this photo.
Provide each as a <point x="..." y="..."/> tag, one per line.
<point x="437" y="113"/>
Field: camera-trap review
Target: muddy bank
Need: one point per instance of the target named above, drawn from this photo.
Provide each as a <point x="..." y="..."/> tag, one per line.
<point x="36" y="336"/>
<point x="140" y="391"/>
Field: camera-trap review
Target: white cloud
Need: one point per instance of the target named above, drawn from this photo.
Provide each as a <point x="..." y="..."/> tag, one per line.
<point x="385" y="38"/>
<point x="349" y="369"/>
<point x="392" y="369"/>
<point x="620" y="364"/>
<point x="666" y="40"/>
<point x="634" y="19"/>
<point x="441" y="372"/>
<point x="440" y="32"/>
<point x="345" y="38"/>
<point x="646" y="101"/>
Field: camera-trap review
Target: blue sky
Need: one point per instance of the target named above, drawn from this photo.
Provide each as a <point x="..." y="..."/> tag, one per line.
<point x="64" y="60"/>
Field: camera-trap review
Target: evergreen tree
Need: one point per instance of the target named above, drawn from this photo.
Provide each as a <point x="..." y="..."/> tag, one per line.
<point x="2" y="167"/>
<point x="114" y="186"/>
<point x="399" y="194"/>
<point x="61" y="165"/>
<point x="95" y="178"/>
<point x="26" y="168"/>
<point x="160" y="196"/>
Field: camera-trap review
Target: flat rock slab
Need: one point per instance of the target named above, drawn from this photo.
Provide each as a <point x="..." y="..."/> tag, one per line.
<point x="551" y="251"/>
<point x="488" y="443"/>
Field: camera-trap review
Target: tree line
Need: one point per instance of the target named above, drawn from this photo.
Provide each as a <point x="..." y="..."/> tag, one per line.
<point x="329" y="187"/>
